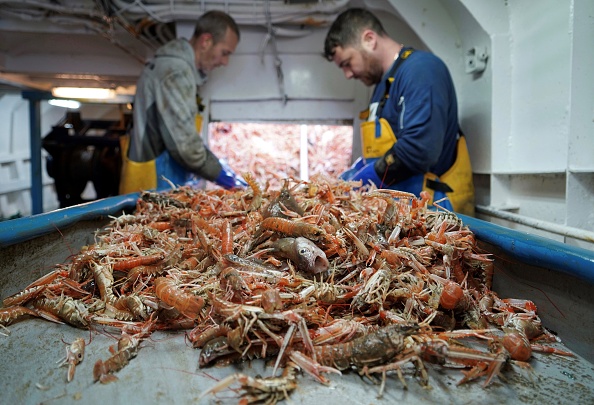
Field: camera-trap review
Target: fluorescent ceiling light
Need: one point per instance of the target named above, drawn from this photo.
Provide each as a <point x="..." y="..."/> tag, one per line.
<point x="83" y="93"/>
<point x="65" y="103"/>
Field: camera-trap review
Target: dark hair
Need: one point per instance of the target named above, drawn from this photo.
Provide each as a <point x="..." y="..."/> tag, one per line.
<point x="347" y="27"/>
<point x="215" y="22"/>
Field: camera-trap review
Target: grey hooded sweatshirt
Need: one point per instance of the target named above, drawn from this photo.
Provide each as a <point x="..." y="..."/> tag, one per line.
<point x="165" y="110"/>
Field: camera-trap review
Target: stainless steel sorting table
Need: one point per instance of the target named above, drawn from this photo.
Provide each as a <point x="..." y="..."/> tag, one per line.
<point x="166" y="371"/>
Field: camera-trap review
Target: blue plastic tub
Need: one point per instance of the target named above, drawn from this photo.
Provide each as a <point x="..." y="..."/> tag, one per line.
<point x="557" y="277"/>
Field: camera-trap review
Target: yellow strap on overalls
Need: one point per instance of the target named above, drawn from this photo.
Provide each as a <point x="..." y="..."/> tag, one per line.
<point x="459" y="178"/>
<point x="136" y="176"/>
<point x="375" y="141"/>
<point x="373" y="147"/>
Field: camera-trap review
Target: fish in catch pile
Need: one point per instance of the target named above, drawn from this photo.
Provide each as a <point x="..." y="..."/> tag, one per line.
<point x="320" y="277"/>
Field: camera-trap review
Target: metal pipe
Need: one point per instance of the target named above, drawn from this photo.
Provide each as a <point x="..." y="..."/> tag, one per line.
<point x="538" y="224"/>
<point x="248" y="13"/>
<point x="35" y="147"/>
<point x="35" y="98"/>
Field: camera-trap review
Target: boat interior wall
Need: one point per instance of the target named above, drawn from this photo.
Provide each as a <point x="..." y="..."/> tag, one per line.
<point x="527" y="112"/>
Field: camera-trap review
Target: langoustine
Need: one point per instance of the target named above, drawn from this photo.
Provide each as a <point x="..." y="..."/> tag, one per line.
<point x="314" y="270"/>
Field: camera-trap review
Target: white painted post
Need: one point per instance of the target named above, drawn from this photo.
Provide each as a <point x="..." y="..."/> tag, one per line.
<point x="303" y="161"/>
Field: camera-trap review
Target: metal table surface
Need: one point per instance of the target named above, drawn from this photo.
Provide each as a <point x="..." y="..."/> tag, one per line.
<point x="165" y="371"/>
<point x="166" y="368"/>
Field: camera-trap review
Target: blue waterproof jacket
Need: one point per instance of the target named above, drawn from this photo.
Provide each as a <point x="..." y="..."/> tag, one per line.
<point x="422" y="112"/>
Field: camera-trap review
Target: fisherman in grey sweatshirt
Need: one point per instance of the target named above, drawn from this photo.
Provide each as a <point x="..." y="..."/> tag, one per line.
<point x="165" y="140"/>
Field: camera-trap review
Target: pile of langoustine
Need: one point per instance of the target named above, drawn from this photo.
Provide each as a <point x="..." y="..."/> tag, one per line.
<point x="320" y="276"/>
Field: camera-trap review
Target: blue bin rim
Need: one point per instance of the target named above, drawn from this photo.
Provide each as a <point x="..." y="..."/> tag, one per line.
<point x="524" y="247"/>
<point x="535" y="250"/>
<point x="19" y="230"/>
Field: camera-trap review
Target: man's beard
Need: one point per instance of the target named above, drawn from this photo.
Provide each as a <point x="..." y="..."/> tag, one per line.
<point x="374" y="70"/>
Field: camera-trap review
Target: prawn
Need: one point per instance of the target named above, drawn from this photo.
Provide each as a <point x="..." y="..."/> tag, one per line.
<point x="186" y="303"/>
<point x="9" y="315"/>
<point x="293" y="228"/>
<point x="226" y="238"/>
<point x="67" y="309"/>
<point x="233" y="283"/>
<point x="271" y="300"/>
<point x="130" y="263"/>
<point x="104" y="279"/>
<point x="256" y="191"/>
<point x="145" y="270"/>
<point x="369" y="350"/>
<point x="127" y="349"/>
<point x="75" y="354"/>
<point x="32" y="290"/>
<point x="161" y="225"/>
<point x="374" y="349"/>
<point x="268" y="390"/>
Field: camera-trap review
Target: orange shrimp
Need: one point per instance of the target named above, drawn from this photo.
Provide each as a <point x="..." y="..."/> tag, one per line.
<point x="9" y="315"/>
<point x="161" y="225"/>
<point x="523" y="305"/>
<point x="64" y="309"/>
<point x="326" y="192"/>
<point x="186" y="303"/>
<point x="104" y="280"/>
<point x="119" y="314"/>
<point x="125" y="265"/>
<point x="391" y="257"/>
<point x="458" y="273"/>
<point x="146" y="270"/>
<point x="199" y="224"/>
<point x="23" y="296"/>
<point x="75" y="354"/>
<point x="127" y="349"/>
<point x="80" y="262"/>
<point x="233" y="283"/>
<point x="33" y="290"/>
<point x="190" y="263"/>
<point x="438" y="237"/>
<point x="293" y="228"/>
<point x="200" y="336"/>
<point x="401" y="256"/>
<point x="518" y="346"/>
<point x="480" y="363"/>
<point x="136" y="305"/>
<point x="226" y="238"/>
<point x="451" y="295"/>
<point x="550" y="350"/>
<point x="138" y="272"/>
<point x="271" y="300"/>
<point x="256" y="191"/>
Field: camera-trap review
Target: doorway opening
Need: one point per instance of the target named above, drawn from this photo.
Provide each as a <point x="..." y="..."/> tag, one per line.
<point x="272" y="152"/>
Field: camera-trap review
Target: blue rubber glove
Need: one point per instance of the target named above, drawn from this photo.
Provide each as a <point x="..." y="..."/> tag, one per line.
<point x="228" y="179"/>
<point x="355" y="167"/>
<point x="367" y="174"/>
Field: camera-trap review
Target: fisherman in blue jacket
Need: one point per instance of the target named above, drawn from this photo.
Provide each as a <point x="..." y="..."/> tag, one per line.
<point x="410" y="136"/>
